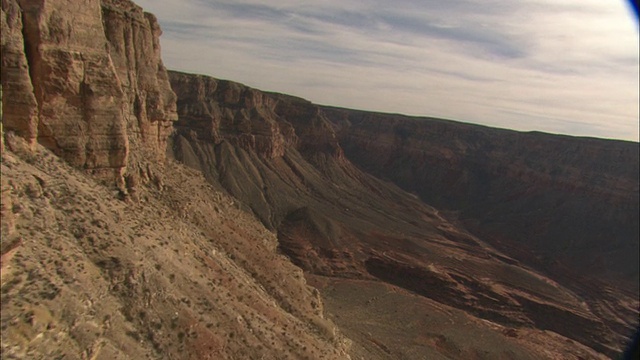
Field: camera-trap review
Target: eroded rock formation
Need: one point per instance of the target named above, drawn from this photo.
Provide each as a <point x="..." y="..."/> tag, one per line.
<point x="347" y="228"/>
<point x="149" y="103"/>
<point x="21" y="113"/>
<point x="247" y="120"/>
<point x="561" y="203"/>
<point x="86" y="81"/>
<point x="181" y="272"/>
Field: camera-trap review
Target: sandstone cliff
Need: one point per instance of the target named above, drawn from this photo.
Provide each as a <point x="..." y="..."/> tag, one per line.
<point x="21" y="113"/>
<point x="87" y="84"/>
<point x="149" y="103"/>
<point x="181" y="274"/>
<point x="251" y="143"/>
<point x="267" y="124"/>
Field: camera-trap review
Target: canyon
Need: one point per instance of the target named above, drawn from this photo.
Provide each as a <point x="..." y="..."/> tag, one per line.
<point x="149" y="213"/>
<point x="510" y="240"/>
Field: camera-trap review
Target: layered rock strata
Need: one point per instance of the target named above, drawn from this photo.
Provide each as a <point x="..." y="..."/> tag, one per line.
<point x="348" y="227"/>
<point x="179" y="273"/>
<point x="86" y="81"/>
<point x="561" y="203"/>
<point x="268" y="124"/>
<point x="149" y="103"/>
<point x="20" y="109"/>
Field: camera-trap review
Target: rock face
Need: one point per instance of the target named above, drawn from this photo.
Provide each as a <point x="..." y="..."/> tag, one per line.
<point x="259" y="147"/>
<point x="181" y="272"/>
<point x="247" y="120"/>
<point x="283" y="158"/>
<point x="87" y="84"/>
<point x="219" y="111"/>
<point x="21" y="113"/>
<point x="149" y="103"/>
<point x="74" y="83"/>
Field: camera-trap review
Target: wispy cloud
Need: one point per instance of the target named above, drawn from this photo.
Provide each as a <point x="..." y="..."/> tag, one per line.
<point x="569" y="67"/>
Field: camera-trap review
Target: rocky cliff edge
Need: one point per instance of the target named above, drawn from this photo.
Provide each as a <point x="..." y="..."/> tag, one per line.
<point x="87" y="82"/>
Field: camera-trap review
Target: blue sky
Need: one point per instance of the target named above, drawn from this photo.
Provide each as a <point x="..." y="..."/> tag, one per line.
<point x="566" y="67"/>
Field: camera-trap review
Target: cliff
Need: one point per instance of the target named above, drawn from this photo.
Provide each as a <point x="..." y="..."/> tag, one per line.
<point x="159" y="266"/>
<point x="267" y="124"/>
<point x="563" y="204"/>
<point x="87" y="84"/>
<point x="149" y="105"/>
<point x="356" y="234"/>
<point x="260" y="147"/>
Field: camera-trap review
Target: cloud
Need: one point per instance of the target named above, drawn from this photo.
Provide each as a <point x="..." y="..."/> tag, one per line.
<point x="569" y="67"/>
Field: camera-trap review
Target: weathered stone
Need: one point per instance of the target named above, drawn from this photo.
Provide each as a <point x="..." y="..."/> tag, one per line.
<point x="222" y="110"/>
<point x="78" y="95"/>
<point x="149" y="105"/>
<point x="20" y="111"/>
<point x="86" y="81"/>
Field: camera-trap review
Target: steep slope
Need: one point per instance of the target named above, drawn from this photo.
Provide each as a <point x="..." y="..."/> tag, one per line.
<point x="162" y="265"/>
<point x="107" y="250"/>
<point x="182" y="274"/>
<point x="561" y="202"/>
<point x="87" y="84"/>
<point x="281" y="156"/>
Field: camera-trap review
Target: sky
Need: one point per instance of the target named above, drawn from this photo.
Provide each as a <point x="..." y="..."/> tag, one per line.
<point x="569" y="67"/>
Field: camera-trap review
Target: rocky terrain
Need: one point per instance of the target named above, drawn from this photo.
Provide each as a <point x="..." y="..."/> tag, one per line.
<point x="88" y="84"/>
<point x="419" y="238"/>
<point x="292" y="164"/>
<point x="179" y="274"/>
<point x="562" y="203"/>
<point x="108" y="251"/>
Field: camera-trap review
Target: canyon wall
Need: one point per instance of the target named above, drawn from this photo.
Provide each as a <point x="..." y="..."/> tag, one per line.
<point x="267" y="124"/>
<point x="299" y="168"/>
<point x="556" y="202"/>
<point x="562" y="204"/>
<point x="176" y="270"/>
<point x="259" y="147"/>
<point x="87" y="82"/>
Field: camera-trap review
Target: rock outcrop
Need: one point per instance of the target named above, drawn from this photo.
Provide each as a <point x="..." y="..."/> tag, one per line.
<point x="181" y="272"/>
<point x="259" y="147"/>
<point x="19" y="106"/>
<point x="149" y="105"/>
<point x="247" y="119"/>
<point x="78" y="97"/>
<point x="219" y="111"/>
<point x="87" y="84"/>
